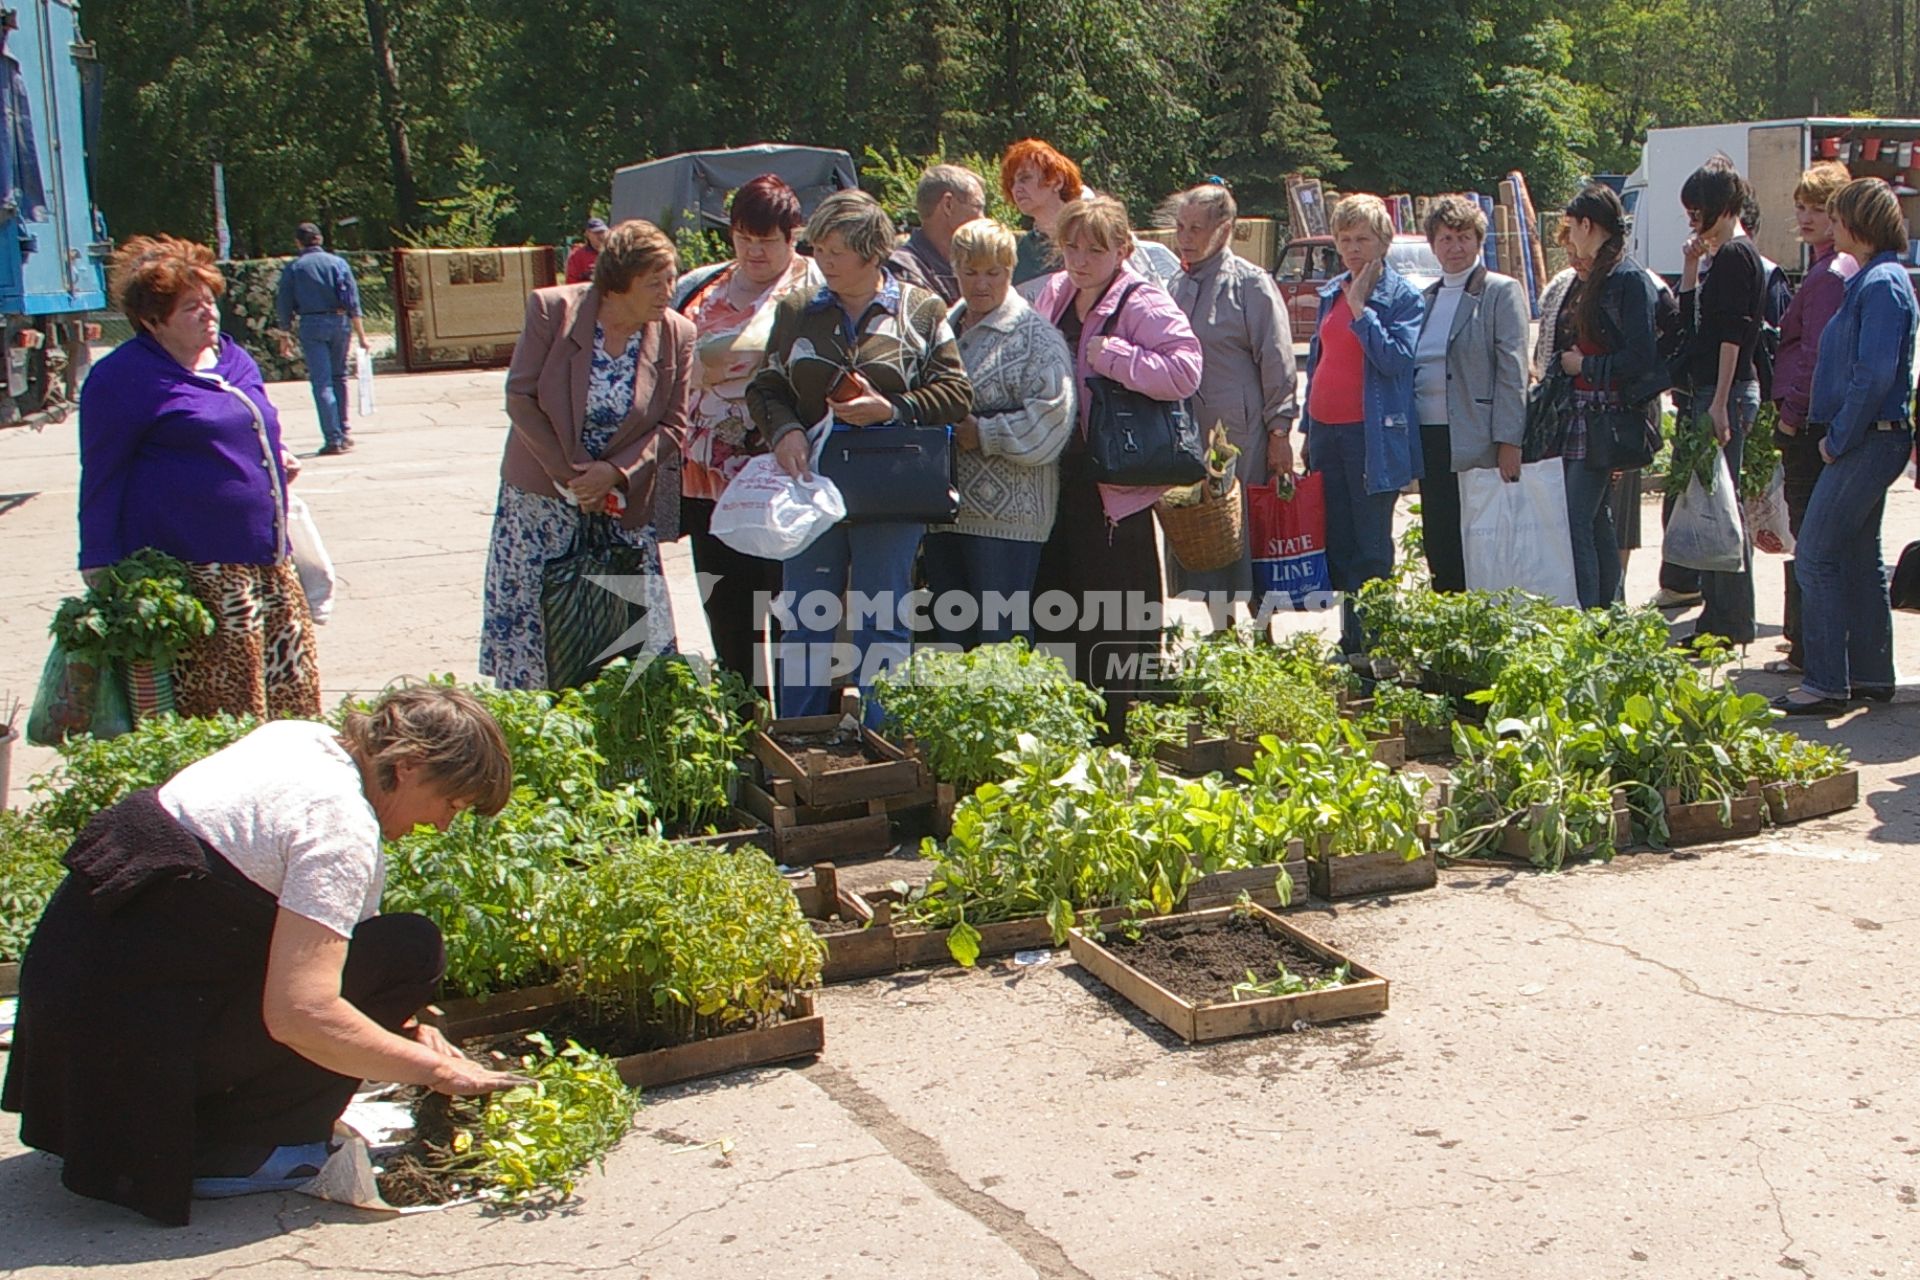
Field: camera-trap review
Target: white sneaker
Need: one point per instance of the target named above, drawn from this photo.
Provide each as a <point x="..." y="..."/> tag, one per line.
<point x="1665" y="599"/>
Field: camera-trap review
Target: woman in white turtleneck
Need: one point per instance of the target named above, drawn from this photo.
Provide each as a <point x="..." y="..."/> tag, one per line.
<point x="1469" y="381"/>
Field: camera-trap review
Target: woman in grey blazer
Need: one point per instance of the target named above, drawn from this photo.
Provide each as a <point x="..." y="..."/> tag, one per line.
<point x="1469" y="381"/>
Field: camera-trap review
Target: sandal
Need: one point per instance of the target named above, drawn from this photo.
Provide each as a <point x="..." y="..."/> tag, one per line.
<point x="1826" y="708"/>
<point x="1781" y="667"/>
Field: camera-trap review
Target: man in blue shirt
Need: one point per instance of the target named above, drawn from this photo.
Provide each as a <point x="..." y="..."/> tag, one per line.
<point x="319" y="290"/>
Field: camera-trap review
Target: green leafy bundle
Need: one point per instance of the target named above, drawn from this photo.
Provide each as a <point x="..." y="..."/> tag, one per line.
<point x="534" y="1140"/>
<point x="30" y="871"/>
<point x="94" y="773"/>
<point x="1547" y="772"/>
<point x="1787" y="757"/>
<point x="1694" y="452"/>
<point x="675" y="940"/>
<point x="1591" y="661"/>
<point x="1398" y="704"/>
<point x="141" y="609"/>
<point x="962" y="709"/>
<point x="675" y="731"/>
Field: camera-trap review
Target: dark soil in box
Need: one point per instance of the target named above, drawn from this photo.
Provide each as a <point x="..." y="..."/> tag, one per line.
<point x="844" y="748"/>
<point x="1202" y="965"/>
<point x="835" y="924"/>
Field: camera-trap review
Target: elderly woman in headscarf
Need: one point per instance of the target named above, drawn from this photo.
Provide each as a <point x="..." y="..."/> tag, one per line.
<point x="1246" y="341"/>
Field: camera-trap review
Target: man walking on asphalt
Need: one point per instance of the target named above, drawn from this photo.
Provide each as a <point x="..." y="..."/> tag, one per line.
<point x="319" y="290"/>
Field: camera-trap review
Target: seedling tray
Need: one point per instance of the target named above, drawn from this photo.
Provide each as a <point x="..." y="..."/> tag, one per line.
<point x="1199" y="754"/>
<point x="1223" y="888"/>
<point x="890" y="771"/>
<point x="802" y="834"/>
<point x="1513" y="840"/>
<point x="860" y="952"/>
<point x="1701" y="823"/>
<point x="919" y="947"/>
<point x="1786" y="802"/>
<point x="1425" y="742"/>
<point x="1362" y="875"/>
<point x="1201" y="1023"/>
<point x="801" y="1033"/>
<point x="750" y="833"/>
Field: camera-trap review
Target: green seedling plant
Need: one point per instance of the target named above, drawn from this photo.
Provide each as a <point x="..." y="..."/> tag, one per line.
<point x="95" y="773"/>
<point x="1240" y="683"/>
<point x="675" y="732"/>
<point x="962" y="709"/>
<point x="30" y="870"/>
<point x="1773" y="757"/>
<point x="1286" y="982"/>
<point x="1406" y="707"/>
<point x="1332" y="794"/>
<point x="1548" y="773"/>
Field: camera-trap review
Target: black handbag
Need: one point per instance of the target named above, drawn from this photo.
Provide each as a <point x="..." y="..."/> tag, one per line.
<point x="1133" y="439"/>
<point x="1549" y="410"/>
<point x="901" y="474"/>
<point x="582" y="618"/>
<point x="1620" y="439"/>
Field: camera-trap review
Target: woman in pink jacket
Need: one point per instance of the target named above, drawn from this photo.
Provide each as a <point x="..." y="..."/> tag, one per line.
<point x="1102" y="551"/>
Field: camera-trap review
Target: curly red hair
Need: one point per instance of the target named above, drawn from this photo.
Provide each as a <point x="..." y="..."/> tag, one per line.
<point x="1054" y="168"/>
<point x="150" y="274"/>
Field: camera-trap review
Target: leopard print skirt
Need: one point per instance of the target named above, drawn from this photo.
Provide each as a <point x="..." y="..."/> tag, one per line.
<point x="260" y="659"/>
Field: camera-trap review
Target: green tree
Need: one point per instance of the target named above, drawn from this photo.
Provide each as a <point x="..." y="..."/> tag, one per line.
<point x="1263" y="118"/>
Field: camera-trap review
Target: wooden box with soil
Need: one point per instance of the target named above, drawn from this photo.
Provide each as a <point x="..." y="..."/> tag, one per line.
<point x="1361" y="875"/>
<point x="1514" y="839"/>
<point x="1786" y="802"/>
<point x="859" y="939"/>
<point x="1182" y="971"/>
<point x="917" y="946"/>
<point x="1703" y="822"/>
<point x="834" y="760"/>
<point x="646" y="1055"/>
<point x="1223" y="888"/>
<point x="801" y="833"/>
<point x="1199" y="753"/>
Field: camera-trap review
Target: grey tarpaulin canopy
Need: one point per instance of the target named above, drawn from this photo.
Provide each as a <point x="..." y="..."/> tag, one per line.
<point x="675" y="191"/>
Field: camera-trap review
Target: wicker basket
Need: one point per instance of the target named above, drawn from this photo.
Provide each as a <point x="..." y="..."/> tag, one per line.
<point x="1210" y="534"/>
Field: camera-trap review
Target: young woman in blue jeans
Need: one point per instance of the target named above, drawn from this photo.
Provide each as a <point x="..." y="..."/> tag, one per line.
<point x="1862" y="385"/>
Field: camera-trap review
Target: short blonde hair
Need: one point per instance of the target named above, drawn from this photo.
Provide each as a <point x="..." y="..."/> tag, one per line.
<point x="1820" y="184"/>
<point x="1363" y="211"/>
<point x="857" y="218"/>
<point x="982" y="241"/>
<point x="1872" y="213"/>
<point x="1458" y="213"/>
<point x="1099" y="221"/>
<point x="444" y="730"/>
<point x="633" y="249"/>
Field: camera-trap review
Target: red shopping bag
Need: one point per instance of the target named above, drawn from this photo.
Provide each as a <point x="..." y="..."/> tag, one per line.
<point x="1287" y="533"/>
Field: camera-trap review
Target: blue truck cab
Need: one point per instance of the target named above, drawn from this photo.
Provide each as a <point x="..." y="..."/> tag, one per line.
<point x="53" y="241"/>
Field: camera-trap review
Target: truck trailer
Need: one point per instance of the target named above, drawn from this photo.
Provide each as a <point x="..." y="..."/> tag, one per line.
<point x="1772" y="154"/>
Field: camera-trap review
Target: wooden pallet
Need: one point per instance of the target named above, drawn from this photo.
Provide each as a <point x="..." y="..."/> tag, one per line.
<point x="1201" y="1023"/>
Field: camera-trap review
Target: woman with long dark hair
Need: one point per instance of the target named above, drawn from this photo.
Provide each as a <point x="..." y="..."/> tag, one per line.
<point x="1614" y="359"/>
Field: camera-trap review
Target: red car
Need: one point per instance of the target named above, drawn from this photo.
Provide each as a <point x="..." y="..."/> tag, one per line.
<point x="1309" y="262"/>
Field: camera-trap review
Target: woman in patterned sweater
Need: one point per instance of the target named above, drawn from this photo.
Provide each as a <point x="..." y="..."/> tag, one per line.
<point x="981" y="566"/>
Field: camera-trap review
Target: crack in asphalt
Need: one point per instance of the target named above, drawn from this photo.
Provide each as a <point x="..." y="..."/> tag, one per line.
<point x="1787" y="1260"/>
<point x="1692" y="987"/>
<point x="924" y="1159"/>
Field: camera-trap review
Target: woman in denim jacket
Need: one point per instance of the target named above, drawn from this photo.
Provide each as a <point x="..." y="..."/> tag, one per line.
<point x="1359" y="419"/>
<point x="1862" y="384"/>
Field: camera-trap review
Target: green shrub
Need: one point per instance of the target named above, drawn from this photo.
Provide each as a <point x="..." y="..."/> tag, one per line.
<point x="30" y="871"/>
<point x="94" y="773"/>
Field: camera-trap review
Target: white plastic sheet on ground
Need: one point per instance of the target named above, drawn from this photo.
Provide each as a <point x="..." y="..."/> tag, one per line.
<point x="370" y="1126"/>
<point x="1514" y="534"/>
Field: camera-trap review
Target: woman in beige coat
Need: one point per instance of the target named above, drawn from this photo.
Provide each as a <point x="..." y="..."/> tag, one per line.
<point x="597" y="400"/>
<point x="1247" y="380"/>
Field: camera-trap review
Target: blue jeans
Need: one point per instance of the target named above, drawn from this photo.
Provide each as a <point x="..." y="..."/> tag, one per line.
<point x="1596" y="552"/>
<point x="969" y="566"/>
<point x="1359" y="524"/>
<point x="323" y="342"/>
<point x="1846" y="626"/>
<point x="861" y="572"/>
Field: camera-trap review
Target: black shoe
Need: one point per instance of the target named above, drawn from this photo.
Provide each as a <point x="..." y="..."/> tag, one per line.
<point x="1825" y="708"/>
<point x="334" y="448"/>
<point x="1873" y="693"/>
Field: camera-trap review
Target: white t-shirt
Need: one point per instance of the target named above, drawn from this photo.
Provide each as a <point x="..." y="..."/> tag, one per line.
<point x="286" y="807"/>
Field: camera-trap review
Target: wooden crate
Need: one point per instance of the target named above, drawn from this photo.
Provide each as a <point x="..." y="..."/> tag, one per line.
<point x="1424" y="743"/>
<point x="1786" y="802"/>
<point x="1701" y="823"/>
<point x="797" y="835"/>
<point x="1003" y="938"/>
<point x="895" y="772"/>
<point x="1361" y="875"/>
<point x="860" y="953"/>
<point x="1223" y="888"/>
<point x="801" y="1033"/>
<point x="1201" y="1023"/>
<point x="10" y="978"/>
<point x="1513" y="840"/>
<point x="1199" y="755"/>
<point x="750" y="833"/>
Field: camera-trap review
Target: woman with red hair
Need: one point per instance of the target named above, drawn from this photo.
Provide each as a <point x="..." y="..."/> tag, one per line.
<point x="180" y="451"/>
<point x="1039" y="182"/>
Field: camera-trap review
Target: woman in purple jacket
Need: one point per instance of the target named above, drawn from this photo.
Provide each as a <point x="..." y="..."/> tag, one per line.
<point x="1102" y="550"/>
<point x="180" y="451"/>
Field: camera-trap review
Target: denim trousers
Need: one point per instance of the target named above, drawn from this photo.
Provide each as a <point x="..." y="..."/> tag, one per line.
<point x="1596" y="552"/>
<point x="1846" y="624"/>
<point x="859" y="572"/>
<point x="323" y="342"/>
<point x="963" y="571"/>
<point x="1359" y="524"/>
<point x="1801" y="465"/>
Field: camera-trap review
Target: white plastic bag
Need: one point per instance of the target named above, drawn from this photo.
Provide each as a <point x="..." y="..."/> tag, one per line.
<point x="766" y="512"/>
<point x="310" y="559"/>
<point x="1515" y="534"/>
<point x="1766" y="516"/>
<point x="1704" y="530"/>
<point x="363" y="373"/>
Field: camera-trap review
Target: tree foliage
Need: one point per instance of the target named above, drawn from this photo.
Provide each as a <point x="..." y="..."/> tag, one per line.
<point x="516" y="115"/>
